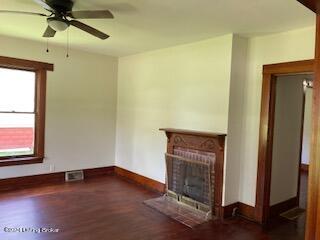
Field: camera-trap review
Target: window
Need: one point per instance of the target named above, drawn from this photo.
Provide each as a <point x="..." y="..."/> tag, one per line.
<point x="22" y="111"/>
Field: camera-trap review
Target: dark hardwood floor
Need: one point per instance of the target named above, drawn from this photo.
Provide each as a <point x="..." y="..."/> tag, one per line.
<point x="112" y="208"/>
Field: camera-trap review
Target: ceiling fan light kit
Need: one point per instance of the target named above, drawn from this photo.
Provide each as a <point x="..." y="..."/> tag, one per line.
<point x="59" y="13"/>
<point x="57" y="24"/>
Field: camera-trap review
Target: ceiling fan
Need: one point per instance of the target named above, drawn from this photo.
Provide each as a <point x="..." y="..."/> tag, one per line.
<point x="58" y="18"/>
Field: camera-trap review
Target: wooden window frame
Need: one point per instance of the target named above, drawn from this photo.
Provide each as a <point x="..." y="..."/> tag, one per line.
<point x="40" y="69"/>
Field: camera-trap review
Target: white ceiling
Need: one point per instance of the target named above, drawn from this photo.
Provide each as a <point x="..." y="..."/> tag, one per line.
<point x="143" y="25"/>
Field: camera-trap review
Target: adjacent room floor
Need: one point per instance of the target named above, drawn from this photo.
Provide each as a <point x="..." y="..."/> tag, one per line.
<point x="112" y="208"/>
<point x="283" y="226"/>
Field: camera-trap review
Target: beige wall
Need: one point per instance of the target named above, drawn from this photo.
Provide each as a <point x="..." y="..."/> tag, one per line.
<point x="287" y="138"/>
<point x="81" y="108"/>
<point x="282" y="47"/>
<point x="181" y="87"/>
<point x="236" y="97"/>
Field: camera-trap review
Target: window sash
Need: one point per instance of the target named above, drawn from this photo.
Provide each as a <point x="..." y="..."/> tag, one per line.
<point x="14" y="112"/>
<point x="14" y="149"/>
<point x="15" y="83"/>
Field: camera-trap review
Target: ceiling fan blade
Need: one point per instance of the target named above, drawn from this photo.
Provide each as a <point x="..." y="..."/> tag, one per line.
<point x="89" y="29"/>
<point x="43" y="4"/>
<point x="49" y="33"/>
<point x="90" y="14"/>
<point x="25" y="13"/>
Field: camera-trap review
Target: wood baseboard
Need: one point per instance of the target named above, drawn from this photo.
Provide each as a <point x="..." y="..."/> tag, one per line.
<point x="243" y="210"/>
<point x="12" y="184"/>
<point x="98" y="172"/>
<point x="141" y="180"/>
<point x="304" y="167"/>
<point x="279" y="208"/>
<point x="246" y="211"/>
<point x="228" y="211"/>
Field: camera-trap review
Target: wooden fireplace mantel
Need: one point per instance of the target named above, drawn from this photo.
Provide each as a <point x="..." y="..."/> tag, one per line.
<point x="202" y="141"/>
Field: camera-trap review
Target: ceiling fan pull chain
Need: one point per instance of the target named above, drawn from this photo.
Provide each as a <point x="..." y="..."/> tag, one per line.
<point x="68" y="43"/>
<point x="47" y="45"/>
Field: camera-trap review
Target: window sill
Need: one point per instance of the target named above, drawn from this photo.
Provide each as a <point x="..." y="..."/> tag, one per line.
<point x="20" y="161"/>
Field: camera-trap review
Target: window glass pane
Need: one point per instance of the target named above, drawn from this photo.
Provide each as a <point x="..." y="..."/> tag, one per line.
<point x="16" y="134"/>
<point x="17" y="90"/>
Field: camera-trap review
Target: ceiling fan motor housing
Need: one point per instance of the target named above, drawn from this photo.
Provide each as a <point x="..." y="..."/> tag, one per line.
<point x="61" y="6"/>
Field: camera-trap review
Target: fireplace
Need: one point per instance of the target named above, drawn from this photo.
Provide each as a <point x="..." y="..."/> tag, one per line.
<point x="190" y="177"/>
<point x="194" y="164"/>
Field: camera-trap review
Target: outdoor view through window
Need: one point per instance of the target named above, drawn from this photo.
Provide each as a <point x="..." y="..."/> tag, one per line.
<point x="17" y="112"/>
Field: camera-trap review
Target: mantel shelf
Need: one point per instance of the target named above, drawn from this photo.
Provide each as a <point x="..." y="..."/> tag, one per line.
<point x="192" y="132"/>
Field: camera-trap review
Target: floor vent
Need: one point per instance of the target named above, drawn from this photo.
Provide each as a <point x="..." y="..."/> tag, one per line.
<point x="74" y="176"/>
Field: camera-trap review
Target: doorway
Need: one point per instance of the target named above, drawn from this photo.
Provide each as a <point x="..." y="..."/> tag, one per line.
<point x="291" y="145"/>
<point x="278" y="183"/>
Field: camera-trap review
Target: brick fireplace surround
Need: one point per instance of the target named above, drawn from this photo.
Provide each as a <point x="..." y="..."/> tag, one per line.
<point x="202" y="142"/>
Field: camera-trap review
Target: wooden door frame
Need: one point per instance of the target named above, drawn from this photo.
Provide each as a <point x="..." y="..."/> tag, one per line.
<point x="313" y="209"/>
<point x="270" y="73"/>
